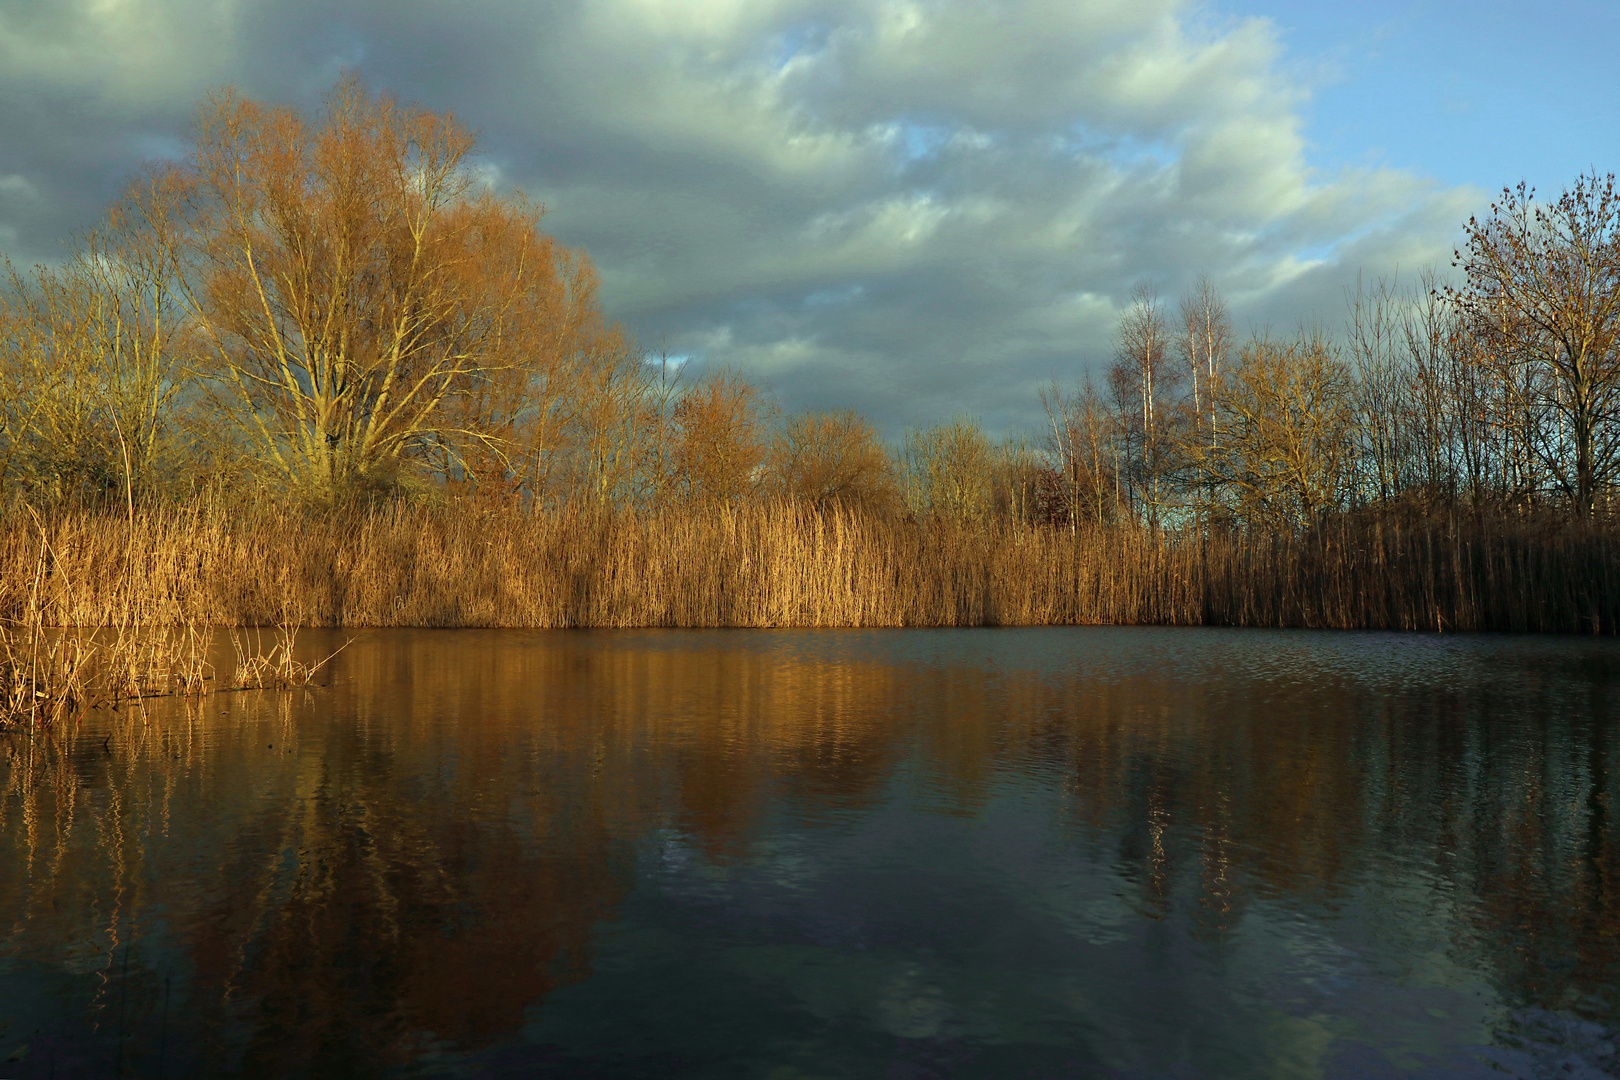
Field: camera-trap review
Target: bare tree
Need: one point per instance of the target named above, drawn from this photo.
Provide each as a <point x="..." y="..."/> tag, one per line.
<point x="1205" y="342"/>
<point x="1144" y="383"/>
<point x="91" y="376"/>
<point x="1383" y="383"/>
<point x="1543" y="300"/>
<point x="1015" y="479"/>
<point x="1286" y="426"/>
<point x="1453" y="403"/>
<point x="351" y="278"/>
<point x="946" y="472"/>
<point x="1080" y="445"/>
<point x="825" y="458"/>
<point x="721" y="429"/>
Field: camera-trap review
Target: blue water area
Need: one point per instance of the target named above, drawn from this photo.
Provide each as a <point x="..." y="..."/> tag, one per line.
<point x="1056" y="852"/>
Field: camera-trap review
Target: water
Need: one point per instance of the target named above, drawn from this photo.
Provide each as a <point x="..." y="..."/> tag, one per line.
<point x="793" y="854"/>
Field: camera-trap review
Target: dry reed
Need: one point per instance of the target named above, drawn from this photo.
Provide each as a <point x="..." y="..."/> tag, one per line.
<point x="787" y="565"/>
<point x="139" y="644"/>
<point x="277" y="669"/>
<point x="46" y="676"/>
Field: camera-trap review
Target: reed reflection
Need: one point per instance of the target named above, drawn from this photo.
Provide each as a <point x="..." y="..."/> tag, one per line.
<point x="404" y="866"/>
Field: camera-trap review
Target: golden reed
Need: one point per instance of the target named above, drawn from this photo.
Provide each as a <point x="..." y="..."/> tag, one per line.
<point x="786" y="565"/>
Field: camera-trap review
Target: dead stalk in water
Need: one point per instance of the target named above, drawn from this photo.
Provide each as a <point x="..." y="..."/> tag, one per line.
<point x="277" y="669"/>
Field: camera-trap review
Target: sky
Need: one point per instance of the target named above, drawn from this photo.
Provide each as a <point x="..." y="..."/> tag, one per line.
<point x="912" y="208"/>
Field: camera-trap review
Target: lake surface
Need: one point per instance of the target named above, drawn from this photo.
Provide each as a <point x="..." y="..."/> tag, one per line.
<point x="793" y="854"/>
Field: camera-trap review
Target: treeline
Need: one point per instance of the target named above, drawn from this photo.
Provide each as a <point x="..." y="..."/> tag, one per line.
<point x="1500" y="394"/>
<point x="335" y="316"/>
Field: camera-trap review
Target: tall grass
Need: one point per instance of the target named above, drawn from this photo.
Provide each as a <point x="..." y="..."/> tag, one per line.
<point x="132" y="641"/>
<point x="787" y="565"/>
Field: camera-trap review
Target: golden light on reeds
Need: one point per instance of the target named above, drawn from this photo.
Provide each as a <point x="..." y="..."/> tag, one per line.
<point x="787" y="564"/>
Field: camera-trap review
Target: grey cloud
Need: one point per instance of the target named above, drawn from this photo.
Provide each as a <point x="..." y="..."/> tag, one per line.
<point x="905" y="207"/>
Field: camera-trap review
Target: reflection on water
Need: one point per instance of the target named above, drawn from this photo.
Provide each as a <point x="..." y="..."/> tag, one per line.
<point x="792" y="854"/>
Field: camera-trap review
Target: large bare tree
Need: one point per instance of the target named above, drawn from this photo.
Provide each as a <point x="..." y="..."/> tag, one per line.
<point x="363" y="297"/>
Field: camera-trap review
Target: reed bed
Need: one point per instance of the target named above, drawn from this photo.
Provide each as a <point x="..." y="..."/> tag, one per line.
<point x="134" y="644"/>
<point x="48" y="674"/>
<point x="788" y="565"/>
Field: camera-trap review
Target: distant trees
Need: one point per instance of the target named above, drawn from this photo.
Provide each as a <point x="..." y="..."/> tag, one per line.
<point x="1503" y="390"/>
<point x="1274" y="433"/>
<point x="337" y="305"/>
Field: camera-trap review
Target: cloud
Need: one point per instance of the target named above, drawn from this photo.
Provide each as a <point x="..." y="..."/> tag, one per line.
<point x="911" y="207"/>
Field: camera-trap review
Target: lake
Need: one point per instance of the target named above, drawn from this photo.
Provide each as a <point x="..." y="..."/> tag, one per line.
<point x="1057" y="852"/>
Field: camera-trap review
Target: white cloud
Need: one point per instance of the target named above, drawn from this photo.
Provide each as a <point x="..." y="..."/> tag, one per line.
<point x="969" y="187"/>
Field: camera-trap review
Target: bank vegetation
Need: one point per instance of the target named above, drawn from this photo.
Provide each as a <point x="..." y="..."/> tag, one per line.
<point x="319" y="372"/>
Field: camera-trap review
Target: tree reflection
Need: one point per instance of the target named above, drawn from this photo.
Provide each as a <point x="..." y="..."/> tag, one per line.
<point x="411" y="860"/>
